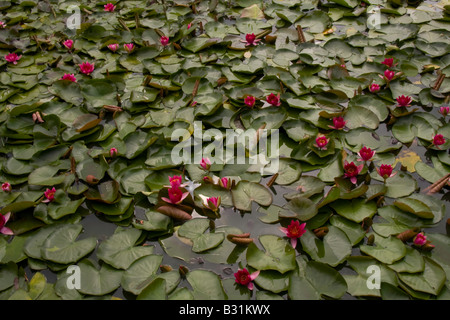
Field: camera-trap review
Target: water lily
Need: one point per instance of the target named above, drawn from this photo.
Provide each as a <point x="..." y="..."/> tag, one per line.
<point x="205" y="163"/>
<point x="420" y="239"/>
<point x="444" y="111"/>
<point x="2" y="25"/>
<point x="338" y="123"/>
<point x="68" y="44"/>
<point x="250" y="39"/>
<point x="113" y="152"/>
<point x="86" y="68"/>
<point x="49" y="194"/>
<point x="225" y="183"/>
<point x="274" y="99"/>
<point x="129" y="47"/>
<point x="389" y="62"/>
<point x="389" y="75"/>
<point x="164" y="40"/>
<point x="194" y="103"/>
<point x="294" y="231"/>
<point x="109" y="7"/>
<point x="70" y="77"/>
<point x="250" y="101"/>
<point x="244" y="278"/>
<point x="212" y="203"/>
<point x="351" y="171"/>
<point x="176" y="195"/>
<point x="404" y="101"/>
<point x="6" y="187"/>
<point x="175" y="181"/>
<point x="13" y="58"/>
<point x="189" y="26"/>
<point x="321" y="142"/>
<point x="385" y="171"/>
<point x="113" y="47"/>
<point x="366" y="154"/>
<point x="374" y="88"/>
<point x="438" y="140"/>
<point x="3" y="220"/>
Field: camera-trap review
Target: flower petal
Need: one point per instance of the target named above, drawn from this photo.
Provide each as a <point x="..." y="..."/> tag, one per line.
<point x="254" y="275"/>
<point x="6" y="231"/>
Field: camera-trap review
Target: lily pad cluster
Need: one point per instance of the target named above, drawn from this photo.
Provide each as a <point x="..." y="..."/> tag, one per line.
<point x="91" y="94"/>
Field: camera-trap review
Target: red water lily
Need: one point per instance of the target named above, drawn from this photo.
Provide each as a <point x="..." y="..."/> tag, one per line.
<point x="420" y="239"/>
<point x="176" y="195"/>
<point x="404" y="101"/>
<point x="68" y="44"/>
<point x="109" y="7"/>
<point x="13" y="58"/>
<point x="3" y="220"/>
<point x="113" y="47"/>
<point x="321" y="142"/>
<point x="385" y="171"/>
<point x="374" y="88"/>
<point x="250" y="39"/>
<point x="250" y="101"/>
<point x="86" y="68"/>
<point x="70" y="77"/>
<point x="164" y="40"/>
<point x="351" y="171"/>
<point x="444" y="111"/>
<point x="389" y="75"/>
<point x="294" y="231"/>
<point x="338" y="123"/>
<point x="6" y="187"/>
<point x="50" y="195"/>
<point x="366" y="154"/>
<point x="175" y="181"/>
<point x="243" y="277"/>
<point x="274" y="99"/>
<point x="438" y="140"/>
<point x="389" y="62"/>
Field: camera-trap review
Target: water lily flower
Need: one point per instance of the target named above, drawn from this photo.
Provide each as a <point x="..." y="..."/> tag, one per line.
<point x="205" y="164"/>
<point x="68" y="44"/>
<point x="70" y="77"/>
<point x="109" y="7"/>
<point x="189" y="26"/>
<point x="420" y="239"/>
<point x="438" y="140"/>
<point x="444" y="111"/>
<point x="49" y="194"/>
<point x="212" y="203"/>
<point x="164" y="40"/>
<point x="194" y="103"/>
<point x="244" y="278"/>
<point x="113" y="47"/>
<point x="12" y="57"/>
<point x="250" y="101"/>
<point x="176" y="195"/>
<point x="3" y="220"/>
<point x="385" y="171"/>
<point x="113" y="152"/>
<point x="175" y="181"/>
<point x="351" y="171"/>
<point x="294" y="231"/>
<point x="86" y="68"/>
<point x="274" y="99"/>
<point x="225" y="183"/>
<point x="366" y="154"/>
<point x="389" y="75"/>
<point x="250" y="39"/>
<point x="129" y="47"/>
<point x="404" y="101"/>
<point x="389" y="62"/>
<point x="321" y="142"/>
<point x="374" y="88"/>
<point x="2" y="25"/>
<point x="338" y="123"/>
<point x="6" y="187"/>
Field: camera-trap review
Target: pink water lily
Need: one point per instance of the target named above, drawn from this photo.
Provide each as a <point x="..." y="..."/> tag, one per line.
<point x="420" y="239"/>
<point x="175" y="181"/>
<point x="70" y="77"/>
<point x="250" y="40"/>
<point x="176" y="195"/>
<point x="225" y="183"/>
<point x="113" y="152"/>
<point x="274" y="99"/>
<point x="2" y="25"/>
<point x="366" y="154"/>
<point x="404" y="101"/>
<point x="13" y="58"/>
<point x="109" y="7"/>
<point x="243" y="277"/>
<point x="338" y="123"/>
<point x="129" y="47"/>
<point x="388" y="75"/>
<point x="351" y="171"/>
<point x="374" y="88"/>
<point x="205" y="163"/>
<point x="294" y="231"/>
<point x="6" y="187"/>
<point x="250" y="101"/>
<point x="50" y="195"/>
<point x="189" y="26"/>
<point x="164" y="40"/>
<point x="321" y="142"/>
<point x="113" y="47"/>
<point x="389" y="62"/>
<point x="438" y="140"/>
<point x="86" y="68"/>
<point x="444" y="111"/>
<point x="68" y="44"/>
<point x="385" y="171"/>
<point x="212" y="203"/>
<point x="3" y="220"/>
